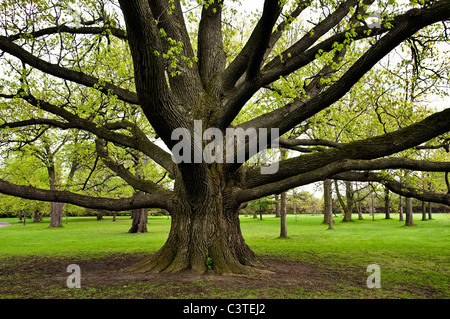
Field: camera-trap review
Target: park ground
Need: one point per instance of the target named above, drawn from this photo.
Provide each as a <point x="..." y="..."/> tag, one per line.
<point x="313" y="263"/>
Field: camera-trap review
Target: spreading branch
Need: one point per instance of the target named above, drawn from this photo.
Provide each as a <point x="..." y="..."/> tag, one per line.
<point x="272" y="10"/>
<point x="138" y="141"/>
<point x="367" y="149"/>
<point x="332" y="170"/>
<point x="87" y="80"/>
<point x="396" y="187"/>
<point x="169" y="17"/>
<point x="404" y="26"/>
<point x="134" y="181"/>
<point x="111" y="204"/>
<point x="211" y="54"/>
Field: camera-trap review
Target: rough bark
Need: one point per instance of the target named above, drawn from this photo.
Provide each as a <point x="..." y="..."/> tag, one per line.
<point x="211" y="55"/>
<point x="205" y="233"/>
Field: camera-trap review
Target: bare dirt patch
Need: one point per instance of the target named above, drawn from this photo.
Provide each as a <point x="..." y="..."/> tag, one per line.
<point x="42" y="277"/>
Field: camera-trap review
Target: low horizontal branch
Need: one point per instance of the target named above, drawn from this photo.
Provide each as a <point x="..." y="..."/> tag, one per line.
<point x="340" y="166"/>
<point x="112" y="204"/>
<point x="367" y="149"/>
<point x="396" y="187"/>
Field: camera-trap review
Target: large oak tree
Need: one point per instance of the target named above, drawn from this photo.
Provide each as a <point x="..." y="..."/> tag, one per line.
<point x="133" y="71"/>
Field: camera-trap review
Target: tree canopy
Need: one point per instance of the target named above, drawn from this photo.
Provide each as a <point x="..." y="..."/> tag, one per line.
<point x="347" y="83"/>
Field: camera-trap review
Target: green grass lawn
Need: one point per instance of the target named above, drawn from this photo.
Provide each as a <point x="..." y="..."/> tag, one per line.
<point x="81" y="236"/>
<point x="418" y="254"/>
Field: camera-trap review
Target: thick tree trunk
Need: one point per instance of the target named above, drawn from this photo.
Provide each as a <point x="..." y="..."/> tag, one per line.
<point x="283" y="228"/>
<point x="205" y="235"/>
<point x="56" y="215"/>
<point x="139" y="224"/>
<point x="409" y="212"/>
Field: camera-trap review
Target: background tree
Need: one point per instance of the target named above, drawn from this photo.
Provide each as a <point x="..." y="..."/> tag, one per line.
<point x="409" y="221"/>
<point x="328" y="204"/>
<point x="130" y="73"/>
<point x="283" y="213"/>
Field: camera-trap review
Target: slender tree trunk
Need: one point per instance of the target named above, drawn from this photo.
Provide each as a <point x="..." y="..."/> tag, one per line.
<point x="139" y="224"/>
<point x="328" y="204"/>
<point x="283" y="211"/>
<point x="372" y="207"/>
<point x="429" y="211"/>
<point x="424" y="211"/>
<point x="430" y="188"/>
<point x="387" y="204"/>
<point x="409" y="212"/>
<point x="277" y="205"/>
<point x="400" y="209"/>
<point x="339" y="197"/>
<point x="294" y="207"/>
<point x="360" y="215"/>
<point x="349" y="196"/>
